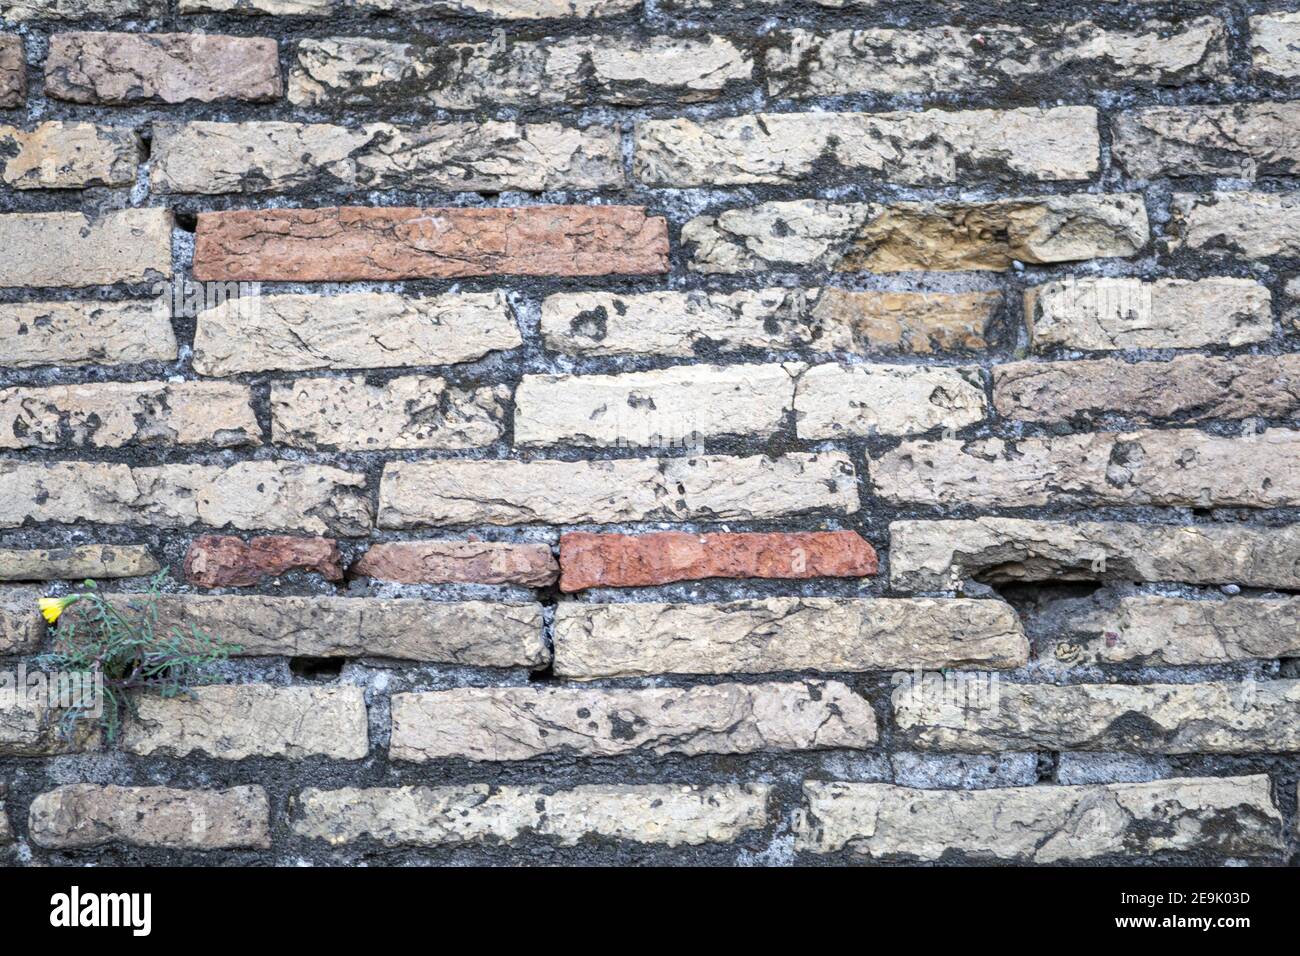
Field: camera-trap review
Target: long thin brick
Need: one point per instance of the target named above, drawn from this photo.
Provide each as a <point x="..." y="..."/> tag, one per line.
<point x="260" y="157"/>
<point x="458" y="562"/>
<point x="626" y="560"/>
<point x="13" y="71"/>
<point x="21" y="11"/>
<point x="934" y="146"/>
<point x="939" y="555"/>
<point x="835" y="401"/>
<point x="821" y="320"/>
<point x="30" y="728"/>
<point x="1177" y="467"/>
<point x="495" y="9"/>
<point x="81" y="333"/>
<point x="234" y="721"/>
<point x="72" y="249"/>
<point x="86" y="815"/>
<point x="703" y="487"/>
<point x="77" y="563"/>
<point x="1250" y="225"/>
<point x="355" y="242"/>
<point x="113" y="415"/>
<point x="1241" y="140"/>
<point x="665" y="814"/>
<point x="1231" y="816"/>
<point x="784" y="634"/>
<point x="916" y="236"/>
<point x="222" y="561"/>
<point x="252" y="495"/>
<point x="127" y="68"/>
<point x="950" y="59"/>
<point x="68" y="156"/>
<point x="1250" y="716"/>
<point x="520" y="723"/>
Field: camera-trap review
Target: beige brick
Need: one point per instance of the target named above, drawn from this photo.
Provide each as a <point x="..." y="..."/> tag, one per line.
<point x="671" y="408"/>
<point x="68" y="156"/>
<point x="28" y="728"/>
<point x="113" y="414"/>
<point x="71" y="249"/>
<point x="935" y="146"/>
<point x="277" y="495"/>
<point x="1231" y="816"/>
<point x="1275" y="44"/>
<point x="351" y="330"/>
<point x="1180" y="467"/>
<point x="348" y="71"/>
<point x="820" y="320"/>
<point x="702" y="487"/>
<point x="13" y="71"/>
<point x="835" y="401"/>
<point x="86" y="815"/>
<point x="497" y="9"/>
<point x="234" y="721"/>
<point x="1238" y="224"/>
<point x="77" y="562"/>
<point x="668" y="814"/>
<point x="20" y="11"/>
<point x="21" y="626"/>
<point x="493" y="156"/>
<point x="1191" y="387"/>
<point x="1242" y="140"/>
<point x="1213" y="718"/>
<point x="948" y="59"/>
<point x="916" y="236"/>
<point x="414" y="411"/>
<point x="784" y="634"/>
<point x="80" y="333"/>
<point x="938" y="555"/>
<point x="519" y="723"/>
<point x="1106" y="314"/>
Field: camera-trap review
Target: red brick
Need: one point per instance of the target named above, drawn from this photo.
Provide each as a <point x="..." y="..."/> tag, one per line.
<point x="13" y="72"/>
<point x="459" y="562"/>
<point x="358" y="242"/>
<point x="623" y="560"/>
<point x="217" y="561"/>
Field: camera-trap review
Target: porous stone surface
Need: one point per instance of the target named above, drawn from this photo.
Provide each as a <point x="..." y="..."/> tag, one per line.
<point x="1273" y="43"/>
<point x="1235" y="816"/>
<point x="622" y="560"/>
<point x="223" y="561"/>
<point x="458" y="562"/>
<point x="77" y="562"/>
<point x="21" y="11"/>
<point x="13" y="71"/>
<point x="29" y="727"/>
<point x="68" y="156"/>
<point x="785" y="634"/>
<point x="83" y="333"/>
<point x="1241" y="140"/>
<point x="837" y="400"/>
<point x="73" y="249"/>
<point x="667" y="814"/>
<point x="518" y="723"/>
<point x="21" y="626"/>
<point x="1251" y="224"/>
<point x="81" y="816"/>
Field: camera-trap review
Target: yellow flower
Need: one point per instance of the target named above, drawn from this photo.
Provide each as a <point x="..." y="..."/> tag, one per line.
<point x="53" y="607"/>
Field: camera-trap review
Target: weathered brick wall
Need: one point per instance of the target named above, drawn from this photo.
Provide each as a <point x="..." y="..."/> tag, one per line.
<point x="635" y="399"/>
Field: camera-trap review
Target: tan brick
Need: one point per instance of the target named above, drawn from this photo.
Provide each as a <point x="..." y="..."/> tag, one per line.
<point x="1242" y="140"/>
<point x="77" y="563"/>
<point x="912" y="236"/>
<point x="28" y="728"/>
<point x="354" y="71"/>
<point x="414" y="411"/>
<point x="222" y="561"/>
<point x="821" y="320"/>
<point x="86" y="815"/>
<point x="114" y="414"/>
<point x="234" y="721"/>
<point x="938" y="555"/>
<point x="492" y="156"/>
<point x="351" y="330"/>
<point x="68" y="156"/>
<point x="250" y="495"/>
<point x="835" y="401"/>
<point x="13" y="71"/>
<point x="669" y="814"/>
<point x="945" y="59"/>
<point x="1106" y="314"/>
<point x="519" y="723"/>
<point x="1179" y="467"/>
<point x="1232" y="816"/>
<point x="1275" y="44"/>
<point x="20" y="11"/>
<point x="1212" y="718"/>
<point x="360" y="242"/>
<point x="934" y="146"/>
<point x="1238" y="224"/>
<point x="80" y="333"/>
<point x="458" y="562"/>
<point x="126" y="68"/>
<point x="784" y="634"/>
<point x="71" y="249"/>
<point x="21" y="626"/>
<point x="1191" y="387"/>
<point x="703" y="487"/>
<point x="669" y="408"/>
<point x="497" y="9"/>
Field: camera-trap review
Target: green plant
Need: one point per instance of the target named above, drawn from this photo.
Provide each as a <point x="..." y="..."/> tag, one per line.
<point x="121" y="639"/>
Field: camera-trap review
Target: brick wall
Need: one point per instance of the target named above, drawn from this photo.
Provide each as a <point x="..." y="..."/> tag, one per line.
<point x="691" y="431"/>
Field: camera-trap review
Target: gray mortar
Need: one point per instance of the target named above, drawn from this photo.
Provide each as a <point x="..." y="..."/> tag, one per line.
<point x="283" y="779"/>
